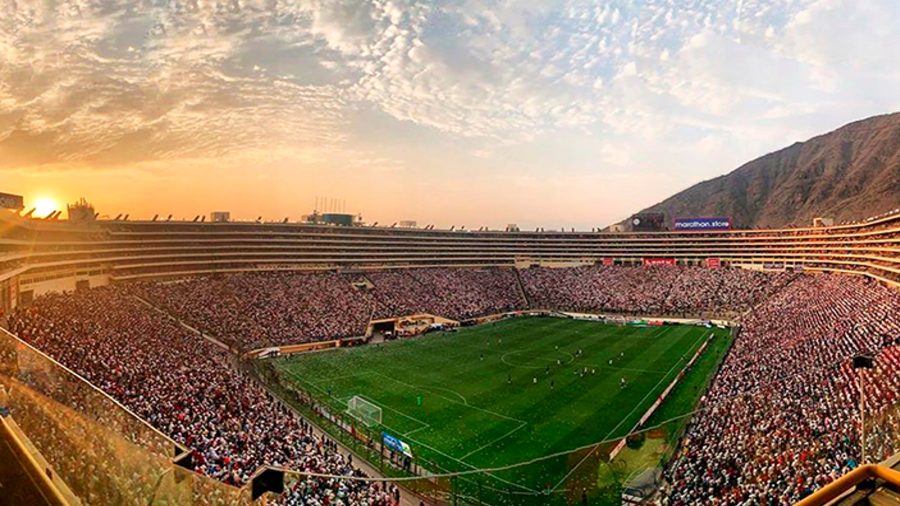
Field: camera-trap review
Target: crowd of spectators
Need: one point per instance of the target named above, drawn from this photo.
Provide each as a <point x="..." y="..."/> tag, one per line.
<point x="253" y="310"/>
<point x="653" y="290"/>
<point x="458" y="294"/>
<point x="779" y="421"/>
<point x="781" y="418"/>
<point x="188" y="389"/>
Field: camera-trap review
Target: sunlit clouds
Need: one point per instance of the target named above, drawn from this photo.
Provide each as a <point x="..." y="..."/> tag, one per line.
<point x="553" y="113"/>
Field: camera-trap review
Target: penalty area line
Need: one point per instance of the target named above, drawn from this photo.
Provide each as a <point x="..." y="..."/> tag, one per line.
<point x="404" y="415"/>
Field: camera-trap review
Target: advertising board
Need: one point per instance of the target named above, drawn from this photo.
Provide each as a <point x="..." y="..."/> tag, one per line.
<point x="701" y="224"/>
<point x="659" y="261"/>
<point x="395" y="444"/>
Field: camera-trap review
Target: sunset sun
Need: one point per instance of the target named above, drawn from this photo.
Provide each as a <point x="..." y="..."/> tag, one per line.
<point x="44" y="206"/>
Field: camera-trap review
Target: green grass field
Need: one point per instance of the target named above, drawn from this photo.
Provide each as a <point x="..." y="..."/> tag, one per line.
<point x="487" y="396"/>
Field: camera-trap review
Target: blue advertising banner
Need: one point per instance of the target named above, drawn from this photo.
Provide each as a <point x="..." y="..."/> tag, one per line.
<point x="395" y="444"/>
<point x="702" y="224"/>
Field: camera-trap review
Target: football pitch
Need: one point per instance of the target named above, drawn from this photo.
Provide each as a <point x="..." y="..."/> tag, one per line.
<point x="515" y="391"/>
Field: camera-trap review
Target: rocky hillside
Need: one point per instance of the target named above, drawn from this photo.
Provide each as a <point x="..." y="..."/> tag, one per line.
<point x="848" y="174"/>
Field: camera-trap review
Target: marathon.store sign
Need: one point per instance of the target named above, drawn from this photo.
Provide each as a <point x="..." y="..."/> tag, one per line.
<point x="702" y="224"/>
<point x="659" y="261"/>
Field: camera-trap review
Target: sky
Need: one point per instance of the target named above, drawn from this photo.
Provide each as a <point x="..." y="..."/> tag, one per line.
<point x="552" y="113"/>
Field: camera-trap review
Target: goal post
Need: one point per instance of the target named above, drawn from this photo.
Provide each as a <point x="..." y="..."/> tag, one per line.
<point x="364" y="411"/>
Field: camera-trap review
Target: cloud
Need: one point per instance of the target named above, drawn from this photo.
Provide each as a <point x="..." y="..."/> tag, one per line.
<point x="693" y="86"/>
<point x="113" y="83"/>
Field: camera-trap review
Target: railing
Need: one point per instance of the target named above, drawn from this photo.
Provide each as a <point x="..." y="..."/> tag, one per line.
<point x="93" y="449"/>
<point x="849" y="483"/>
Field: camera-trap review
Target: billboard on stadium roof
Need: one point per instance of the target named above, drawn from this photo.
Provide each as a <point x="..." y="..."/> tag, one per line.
<point x="10" y="201"/>
<point x="648" y="222"/>
<point x="701" y="224"/>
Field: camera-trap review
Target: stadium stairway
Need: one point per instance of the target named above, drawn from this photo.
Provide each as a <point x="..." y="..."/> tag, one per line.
<point x="521" y="287"/>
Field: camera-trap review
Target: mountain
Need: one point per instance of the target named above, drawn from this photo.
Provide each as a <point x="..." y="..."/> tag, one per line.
<point x="848" y="174"/>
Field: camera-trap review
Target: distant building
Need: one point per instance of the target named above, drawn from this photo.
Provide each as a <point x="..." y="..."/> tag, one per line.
<point x="81" y="212"/>
<point x="822" y="222"/>
<point x="220" y="216"/>
<point x="512" y="227"/>
<point x="337" y="219"/>
<point x="407" y="224"/>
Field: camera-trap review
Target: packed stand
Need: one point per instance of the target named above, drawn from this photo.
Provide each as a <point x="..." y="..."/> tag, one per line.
<point x="781" y="417"/>
<point x="253" y="310"/>
<point x="655" y="290"/>
<point x="188" y="389"/>
<point x="457" y="294"/>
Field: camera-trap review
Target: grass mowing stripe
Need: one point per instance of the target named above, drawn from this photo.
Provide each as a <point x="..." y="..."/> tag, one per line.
<point x="453" y="401"/>
<point x="487" y="392"/>
<point x="473" y="452"/>
<point x="638" y="405"/>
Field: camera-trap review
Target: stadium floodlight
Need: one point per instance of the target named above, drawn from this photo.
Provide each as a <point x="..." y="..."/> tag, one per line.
<point x="364" y="411"/>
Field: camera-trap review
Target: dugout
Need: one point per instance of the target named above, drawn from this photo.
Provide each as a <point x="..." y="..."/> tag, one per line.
<point x="384" y="326"/>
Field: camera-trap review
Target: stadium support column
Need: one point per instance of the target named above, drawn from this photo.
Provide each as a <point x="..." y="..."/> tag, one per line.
<point x="862" y="415"/>
<point x="861" y="363"/>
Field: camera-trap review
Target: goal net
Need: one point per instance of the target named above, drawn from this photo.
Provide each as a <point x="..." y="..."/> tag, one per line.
<point x="364" y="411"/>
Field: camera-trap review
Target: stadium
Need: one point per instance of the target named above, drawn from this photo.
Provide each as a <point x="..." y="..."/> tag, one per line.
<point x="449" y="253"/>
<point x="194" y="362"/>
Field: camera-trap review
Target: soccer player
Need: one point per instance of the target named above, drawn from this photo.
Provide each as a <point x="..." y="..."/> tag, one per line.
<point x="534" y="380"/>
<point x="551" y="384"/>
<point x="622" y="382"/>
<point x="508" y="379"/>
<point x="482" y="356"/>
<point x="548" y="370"/>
